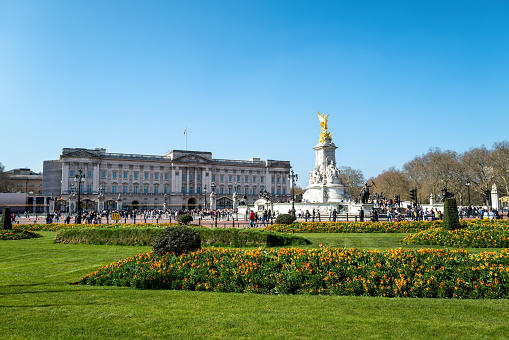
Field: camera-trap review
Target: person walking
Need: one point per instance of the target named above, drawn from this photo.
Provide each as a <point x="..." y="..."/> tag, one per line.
<point x="251" y="219"/>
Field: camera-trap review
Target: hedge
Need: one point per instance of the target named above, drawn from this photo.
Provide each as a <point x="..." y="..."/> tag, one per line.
<point x="227" y="237"/>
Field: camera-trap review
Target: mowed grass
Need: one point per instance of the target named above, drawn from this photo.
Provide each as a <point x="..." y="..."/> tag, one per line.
<point x="39" y="301"/>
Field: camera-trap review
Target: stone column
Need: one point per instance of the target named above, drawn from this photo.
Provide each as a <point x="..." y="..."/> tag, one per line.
<point x="72" y="204"/>
<point x="187" y="179"/>
<point x="212" y="200"/>
<point x="51" y="205"/>
<point x="431" y="199"/>
<point x="95" y="177"/>
<point x="195" y="180"/>
<point x="494" y="197"/>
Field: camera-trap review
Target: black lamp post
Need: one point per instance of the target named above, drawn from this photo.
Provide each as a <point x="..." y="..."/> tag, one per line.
<point x="468" y="189"/>
<point x="293" y="177"/>
<point x="79" y="178"/>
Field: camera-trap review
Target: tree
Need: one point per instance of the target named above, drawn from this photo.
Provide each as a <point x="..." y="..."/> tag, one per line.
<point x="500" y="159"/>
<point x="433" y="170"/>
<point x="479" y="169"/>
<point x="353" y="179"/>
<point x="392" y="182"/>
<point x="3" y="179"/>
<point x="298" y="190"/>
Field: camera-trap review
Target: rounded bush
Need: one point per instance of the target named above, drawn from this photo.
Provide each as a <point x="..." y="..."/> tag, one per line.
<point x="176" y="240"/>
<point x="285" y="219"/>
<point x="184" y="219"/>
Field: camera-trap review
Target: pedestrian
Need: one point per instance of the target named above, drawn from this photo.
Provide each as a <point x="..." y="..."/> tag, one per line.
<point x="251" y="219"/>
<point x="334" y="214"/>
<point x="361" y="215"/>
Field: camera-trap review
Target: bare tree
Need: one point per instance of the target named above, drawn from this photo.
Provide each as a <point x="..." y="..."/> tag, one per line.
<point x="353" y="179"/>
<point x="430" y="172"/>
<point x="500" y="159"/>
<point x="3" y="179"/>
<point x="392" y="182"/>
<point x="479" y="169"/>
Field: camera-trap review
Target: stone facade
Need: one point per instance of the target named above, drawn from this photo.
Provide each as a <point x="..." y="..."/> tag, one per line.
<point x="24" y="181"/>
<point x="178" y="179"/>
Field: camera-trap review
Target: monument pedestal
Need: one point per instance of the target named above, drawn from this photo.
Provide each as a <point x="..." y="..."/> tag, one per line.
<point x="324" y="183"/>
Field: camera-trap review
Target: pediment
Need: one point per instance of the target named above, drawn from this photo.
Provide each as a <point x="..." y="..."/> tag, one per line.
<point x="192" y="158"/>
<point x="279" y="165"/>
<point x="80" y="153"/>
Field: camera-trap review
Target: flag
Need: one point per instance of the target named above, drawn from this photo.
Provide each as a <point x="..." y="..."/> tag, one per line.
<point x="185" y="131"/>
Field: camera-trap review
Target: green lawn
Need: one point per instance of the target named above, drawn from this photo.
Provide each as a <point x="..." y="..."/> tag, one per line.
<point x="38" y="301"/>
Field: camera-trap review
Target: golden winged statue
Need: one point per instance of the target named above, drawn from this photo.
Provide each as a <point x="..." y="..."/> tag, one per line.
<point x="323" y="124"/>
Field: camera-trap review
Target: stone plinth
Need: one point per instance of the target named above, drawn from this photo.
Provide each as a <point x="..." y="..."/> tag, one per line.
<point x="325" y="183"/>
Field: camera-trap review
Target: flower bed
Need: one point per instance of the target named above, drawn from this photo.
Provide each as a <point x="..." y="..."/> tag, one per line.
<point x="59" y="226"/>
<point x="477" y="234"/>
<point x="355" y="227"/>
<point x="15" y="234"/>
<point x="331" y="271"/>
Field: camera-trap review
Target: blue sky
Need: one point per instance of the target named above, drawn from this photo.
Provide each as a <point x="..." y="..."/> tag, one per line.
<point x="248" y="77"/>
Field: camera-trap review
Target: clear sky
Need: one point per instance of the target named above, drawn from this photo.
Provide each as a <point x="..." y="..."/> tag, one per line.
<point x="247" y="78"/>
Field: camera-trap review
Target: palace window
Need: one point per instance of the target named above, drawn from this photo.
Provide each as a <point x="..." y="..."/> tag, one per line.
<point x="135" y="189"/>
<point x="124" y="189"/>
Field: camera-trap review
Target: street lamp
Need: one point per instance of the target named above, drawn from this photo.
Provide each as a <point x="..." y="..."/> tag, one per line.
<point x="468" y="189"/>
<point x="79" y="178"/>
<point x="293" y="177"/>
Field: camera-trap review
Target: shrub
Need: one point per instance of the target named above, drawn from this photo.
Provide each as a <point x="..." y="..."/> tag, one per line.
<point x="176" y="240"/>
<point x="5" y="222"/>
<point x="285" y="219"/>
<point x="451" y="220"/>
<point x="184" y="219"/>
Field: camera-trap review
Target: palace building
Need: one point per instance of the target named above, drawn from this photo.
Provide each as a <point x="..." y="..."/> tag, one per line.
<point x="178" y="180"/>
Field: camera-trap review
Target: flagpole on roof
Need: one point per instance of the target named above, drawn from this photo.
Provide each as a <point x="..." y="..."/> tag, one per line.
<point x="185" y="133"/>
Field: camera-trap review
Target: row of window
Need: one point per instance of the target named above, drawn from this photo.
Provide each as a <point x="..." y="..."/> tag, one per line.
<point x="246" y="178"/>
<point x="184" y="191"/>
<point x="116" y="174"/>
<point x="125" y="189"/>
